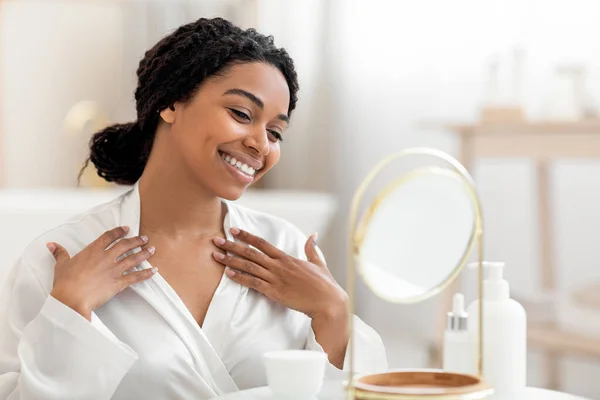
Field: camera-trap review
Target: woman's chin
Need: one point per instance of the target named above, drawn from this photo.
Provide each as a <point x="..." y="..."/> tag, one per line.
<point x="229" y="190"/>
<point x="231" y="193"/>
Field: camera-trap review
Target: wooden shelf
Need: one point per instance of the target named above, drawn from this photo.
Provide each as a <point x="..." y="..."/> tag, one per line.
<point x="528" y="127"/>
<point x="536" y="140"/>
<point x="545" y="127"/>
<point x="588" y="296"/>
<point x="549" y="337"/>
<point x="544" y="333"/>
<point x="542" y="142"/>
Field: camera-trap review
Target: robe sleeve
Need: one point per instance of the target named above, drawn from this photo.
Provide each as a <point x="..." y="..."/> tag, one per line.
<point x="369" y="352"/>
<point x="48" y="351"/>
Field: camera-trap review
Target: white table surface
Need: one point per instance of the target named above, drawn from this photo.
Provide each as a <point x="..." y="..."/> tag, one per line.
<point x="335" y="391"/>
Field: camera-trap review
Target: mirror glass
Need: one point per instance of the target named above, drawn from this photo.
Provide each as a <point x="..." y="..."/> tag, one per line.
<point x="416" y="235"/>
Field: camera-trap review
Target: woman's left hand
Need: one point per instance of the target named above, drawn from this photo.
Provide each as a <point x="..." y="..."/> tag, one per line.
<point x="305" y="286"/>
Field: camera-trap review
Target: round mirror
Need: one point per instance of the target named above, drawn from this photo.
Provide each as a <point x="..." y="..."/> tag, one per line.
<point x="417" y="234"/>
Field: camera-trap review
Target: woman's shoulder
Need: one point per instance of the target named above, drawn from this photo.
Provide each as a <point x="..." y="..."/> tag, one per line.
<point x="74" y="234"/>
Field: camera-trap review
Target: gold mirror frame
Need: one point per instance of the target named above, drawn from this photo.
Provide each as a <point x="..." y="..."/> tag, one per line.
<point x="365" y="222"/>
<point x="356" y="237"/>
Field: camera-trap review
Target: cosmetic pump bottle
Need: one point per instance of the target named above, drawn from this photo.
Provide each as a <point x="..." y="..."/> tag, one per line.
<point x="457" y="347"/>
<point x="504" y="335"/>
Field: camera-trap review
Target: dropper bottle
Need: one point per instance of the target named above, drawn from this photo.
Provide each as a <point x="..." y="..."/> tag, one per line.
<point x="457" y="357"/>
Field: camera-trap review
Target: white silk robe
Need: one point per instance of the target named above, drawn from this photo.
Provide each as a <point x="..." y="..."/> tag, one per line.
<point x="144" y="343"/>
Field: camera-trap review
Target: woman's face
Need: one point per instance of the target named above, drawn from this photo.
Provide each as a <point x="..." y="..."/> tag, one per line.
<point x="228" y="135"/>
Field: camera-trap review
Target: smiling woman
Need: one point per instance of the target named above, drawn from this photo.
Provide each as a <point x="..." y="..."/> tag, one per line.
<point x="211" y="285"/>
<point x="242" y="114"/>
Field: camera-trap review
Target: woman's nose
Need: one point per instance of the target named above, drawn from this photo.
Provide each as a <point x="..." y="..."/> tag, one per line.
<point x="258" y="140"/>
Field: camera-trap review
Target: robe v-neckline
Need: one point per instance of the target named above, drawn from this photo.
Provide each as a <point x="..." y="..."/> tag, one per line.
<point x="204" y="342"/>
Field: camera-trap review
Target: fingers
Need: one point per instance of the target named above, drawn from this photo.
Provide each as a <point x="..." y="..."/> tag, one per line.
<point x="243" y="251"/>
<point x="135" y="259"/>
<point x="260" y="243"/>
<point x="250" y="281"/>
<point x="136" y="276"/>
<point x="125" y="245"/>
<point x="243" y="265"/>
<point x="58" y="252"/>
<point x="310" y="248"/>
<point x="107" y="238"/>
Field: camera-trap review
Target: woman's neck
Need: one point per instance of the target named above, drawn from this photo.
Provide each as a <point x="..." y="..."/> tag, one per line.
<point x="178" y="208"/>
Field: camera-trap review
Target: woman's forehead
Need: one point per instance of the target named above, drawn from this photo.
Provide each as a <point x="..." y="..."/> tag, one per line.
<point x="262" y="80"/>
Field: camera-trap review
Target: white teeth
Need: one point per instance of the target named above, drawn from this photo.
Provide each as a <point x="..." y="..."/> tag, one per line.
<point x="238" y="164"/>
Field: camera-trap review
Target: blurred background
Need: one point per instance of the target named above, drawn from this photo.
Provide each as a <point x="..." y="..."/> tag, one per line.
<point x="510" y="87"/>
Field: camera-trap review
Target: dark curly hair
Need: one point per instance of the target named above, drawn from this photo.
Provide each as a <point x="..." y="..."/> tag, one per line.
<point x="172" y="71"/>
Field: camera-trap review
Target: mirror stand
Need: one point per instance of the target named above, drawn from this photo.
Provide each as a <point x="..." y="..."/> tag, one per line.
<point x="417" y="383"/>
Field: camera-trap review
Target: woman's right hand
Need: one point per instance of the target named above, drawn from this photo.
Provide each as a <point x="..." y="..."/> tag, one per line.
<point x="96" y="274"/>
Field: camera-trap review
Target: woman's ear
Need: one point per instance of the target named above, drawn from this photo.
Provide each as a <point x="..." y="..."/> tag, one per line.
<point x="168" y="114"/>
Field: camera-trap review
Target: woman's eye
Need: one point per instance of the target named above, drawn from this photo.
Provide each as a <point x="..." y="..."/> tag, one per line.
<point x="275" y="136"/>
<point x="240" y="114"/>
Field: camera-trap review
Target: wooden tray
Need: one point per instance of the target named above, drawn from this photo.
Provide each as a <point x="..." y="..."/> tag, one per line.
<point x="420" y="384"/>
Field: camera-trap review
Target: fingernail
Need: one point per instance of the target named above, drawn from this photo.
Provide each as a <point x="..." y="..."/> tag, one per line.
<point x="51" y="247"/>
<point x="125" y="228"/>
<point x="144" y="238"/>
<point x="230" y="273"/>
<point x="315" y="237"/>
<point x="218" y="256"/>
<point x="154" y="270"/>
<point x="219" y="241"/>
<point x="234" y="231"/>
<point x="151" y="250"/>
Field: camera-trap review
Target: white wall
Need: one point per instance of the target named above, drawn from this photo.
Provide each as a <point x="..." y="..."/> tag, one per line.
<point x="51" y="57"/>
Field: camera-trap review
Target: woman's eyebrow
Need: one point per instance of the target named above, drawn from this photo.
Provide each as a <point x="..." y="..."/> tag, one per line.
<point x="255" y="99"/>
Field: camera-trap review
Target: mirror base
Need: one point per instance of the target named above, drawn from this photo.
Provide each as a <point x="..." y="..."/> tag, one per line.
<point x="420" y="384"/>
